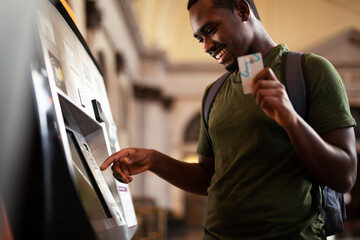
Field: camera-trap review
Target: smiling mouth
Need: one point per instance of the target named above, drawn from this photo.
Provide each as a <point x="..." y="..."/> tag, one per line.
<point x="219" y="54"/>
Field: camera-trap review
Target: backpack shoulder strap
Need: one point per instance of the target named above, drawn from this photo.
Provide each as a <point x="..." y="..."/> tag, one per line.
<point x="212" y="92"/>
<point x="331" y="204"/>
<point x="293" y="75"/>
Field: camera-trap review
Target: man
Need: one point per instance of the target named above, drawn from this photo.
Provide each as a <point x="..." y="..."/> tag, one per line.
<point x="258" y="157"/>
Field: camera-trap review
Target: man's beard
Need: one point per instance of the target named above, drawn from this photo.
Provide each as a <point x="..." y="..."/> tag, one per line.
<point x="232" y="67"/>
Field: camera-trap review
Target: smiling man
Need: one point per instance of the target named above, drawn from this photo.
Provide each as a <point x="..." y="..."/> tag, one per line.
<point x="222" y="35"/>
<point x="258" y="158"/>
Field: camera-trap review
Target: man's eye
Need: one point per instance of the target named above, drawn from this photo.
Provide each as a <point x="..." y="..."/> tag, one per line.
<point x="201" y="40"/>
<point x="210" y="30"/>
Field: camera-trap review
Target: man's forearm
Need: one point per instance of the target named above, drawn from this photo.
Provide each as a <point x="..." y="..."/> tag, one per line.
<point x="191" y="177"/>
<point x="330" y="158"/>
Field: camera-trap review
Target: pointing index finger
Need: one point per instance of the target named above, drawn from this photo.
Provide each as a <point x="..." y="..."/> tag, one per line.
<point x="114" y="158"/>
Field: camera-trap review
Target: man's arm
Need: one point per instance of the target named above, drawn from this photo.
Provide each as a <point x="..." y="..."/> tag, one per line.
<point x="191" y="177"/>
<point x="330" y="157"/>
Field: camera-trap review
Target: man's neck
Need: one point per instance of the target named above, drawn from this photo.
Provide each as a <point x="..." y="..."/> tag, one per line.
<point x="263" y="42"/>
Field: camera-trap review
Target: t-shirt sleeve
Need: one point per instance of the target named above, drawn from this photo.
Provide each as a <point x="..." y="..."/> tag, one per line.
<point x="329" y="106"/>
<point x="204" y="145"/>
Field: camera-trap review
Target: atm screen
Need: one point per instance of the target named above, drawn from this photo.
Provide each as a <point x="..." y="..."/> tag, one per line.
<point x="75" y="80"/>
<point x="89" y="192"/>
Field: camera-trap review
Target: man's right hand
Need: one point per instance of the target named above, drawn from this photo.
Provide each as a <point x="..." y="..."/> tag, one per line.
<point x="129" y="161"/>
<point x="191" y="177"/>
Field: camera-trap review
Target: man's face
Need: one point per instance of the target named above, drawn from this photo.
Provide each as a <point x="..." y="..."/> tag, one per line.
<point x="222" y="31"/>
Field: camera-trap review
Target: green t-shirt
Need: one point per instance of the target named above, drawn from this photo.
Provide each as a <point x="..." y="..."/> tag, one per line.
<point x="260" y="189"/>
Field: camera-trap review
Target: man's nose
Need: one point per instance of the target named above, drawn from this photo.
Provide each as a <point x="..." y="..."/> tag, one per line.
<point x="208" y="45"/>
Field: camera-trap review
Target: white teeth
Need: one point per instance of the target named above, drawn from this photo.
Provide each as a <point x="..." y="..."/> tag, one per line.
<point x="219" y="54"/>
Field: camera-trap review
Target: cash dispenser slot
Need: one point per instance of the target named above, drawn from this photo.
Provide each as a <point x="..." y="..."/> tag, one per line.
<point x="95" y="201"/>
<point x="96" y="189"/>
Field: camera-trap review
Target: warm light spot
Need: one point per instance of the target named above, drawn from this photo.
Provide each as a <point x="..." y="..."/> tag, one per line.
<point x="191" y="159"/>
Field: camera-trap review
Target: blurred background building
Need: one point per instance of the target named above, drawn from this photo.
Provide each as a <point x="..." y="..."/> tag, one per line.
<point x="155" y="73"/>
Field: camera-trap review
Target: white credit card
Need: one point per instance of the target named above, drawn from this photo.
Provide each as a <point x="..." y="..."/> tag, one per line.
<point x="249" y="66"/>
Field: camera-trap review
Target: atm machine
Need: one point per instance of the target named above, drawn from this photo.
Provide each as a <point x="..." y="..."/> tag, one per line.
<point x="76" y="133"/>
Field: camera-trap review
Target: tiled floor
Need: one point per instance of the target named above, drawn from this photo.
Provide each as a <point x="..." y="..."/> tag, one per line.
<point x="195" y="233"/>
<point x="185" y="233"/>
<point x="353" y="235"/>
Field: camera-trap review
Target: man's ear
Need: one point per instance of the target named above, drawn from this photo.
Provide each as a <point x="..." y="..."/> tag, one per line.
<point x="243" y="9"/>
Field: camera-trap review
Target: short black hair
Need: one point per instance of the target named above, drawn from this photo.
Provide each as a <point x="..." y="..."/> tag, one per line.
<point x="230" y="4"/>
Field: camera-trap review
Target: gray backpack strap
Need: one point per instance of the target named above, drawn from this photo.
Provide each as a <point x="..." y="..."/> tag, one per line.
<point x="210" y="97"/>
<point x="294" y="78"/>
<point x="292" y="65"/>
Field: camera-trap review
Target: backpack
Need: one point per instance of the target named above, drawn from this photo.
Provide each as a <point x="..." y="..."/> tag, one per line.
<point x="330" y="203"/>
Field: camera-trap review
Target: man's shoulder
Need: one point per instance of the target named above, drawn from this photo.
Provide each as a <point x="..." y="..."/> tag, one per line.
<point x="312" y="59"/>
